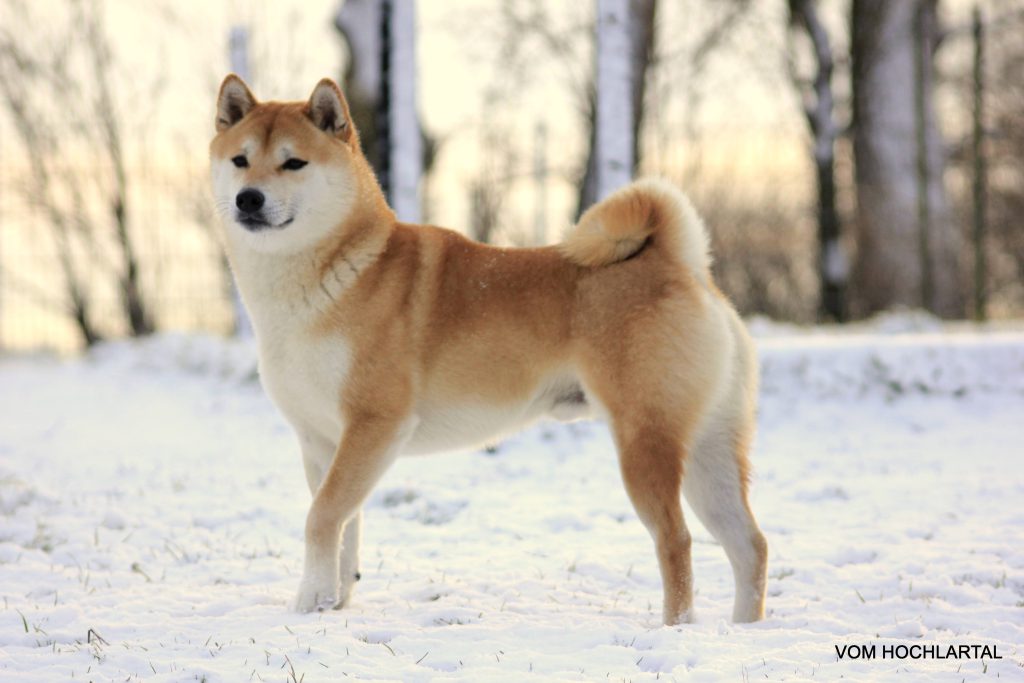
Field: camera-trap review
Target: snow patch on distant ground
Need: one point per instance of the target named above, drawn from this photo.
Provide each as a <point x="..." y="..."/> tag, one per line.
<point x="152" y="504"/>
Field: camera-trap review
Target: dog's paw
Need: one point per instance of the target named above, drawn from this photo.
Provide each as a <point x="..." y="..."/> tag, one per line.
<point x="315" y="598"/>
<point x="346" y="586"/>
<point x="686" y="617"/>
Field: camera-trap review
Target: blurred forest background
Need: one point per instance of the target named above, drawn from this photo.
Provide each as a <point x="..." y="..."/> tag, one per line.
<point x="849" y="156"/>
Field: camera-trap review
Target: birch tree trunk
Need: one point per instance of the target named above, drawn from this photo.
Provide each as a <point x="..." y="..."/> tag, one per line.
<point x="380" y="86"/>
<point x="980" y="170"/>
<point x="818" y="109"/>
<point x="406" y="142"/>
<point x="614" y="112"/>
<point x="359" y="22"/>
<point x="641" y="50"/>
<point x="898" y="243"/>
<point x="238" y="52"/>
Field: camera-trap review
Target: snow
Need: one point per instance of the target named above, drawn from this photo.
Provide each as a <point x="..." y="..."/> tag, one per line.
<point x="152" y="502"/>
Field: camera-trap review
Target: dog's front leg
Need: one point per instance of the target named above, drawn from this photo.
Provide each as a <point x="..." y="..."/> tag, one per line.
<point x="368" y="446"/>
<point x="317" y="453"/>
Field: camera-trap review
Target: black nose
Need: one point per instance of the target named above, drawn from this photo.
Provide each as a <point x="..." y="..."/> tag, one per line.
<point x="249" y="201"/>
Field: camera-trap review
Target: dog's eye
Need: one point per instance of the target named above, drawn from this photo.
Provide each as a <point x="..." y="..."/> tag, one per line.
<point x="240" y="161"/>
<point x="293" y="164"/>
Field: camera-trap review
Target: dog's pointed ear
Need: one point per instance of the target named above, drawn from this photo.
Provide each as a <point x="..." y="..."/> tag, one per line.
<point x="328" y="110"/>
<point x="233" y="103"/>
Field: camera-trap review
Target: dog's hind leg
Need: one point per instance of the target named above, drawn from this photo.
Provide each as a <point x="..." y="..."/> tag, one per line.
<point x="715" y="486"/>
<point x="651" y="459"/>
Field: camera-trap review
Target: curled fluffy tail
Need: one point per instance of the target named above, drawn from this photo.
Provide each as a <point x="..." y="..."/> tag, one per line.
<point x="647" y="212"/>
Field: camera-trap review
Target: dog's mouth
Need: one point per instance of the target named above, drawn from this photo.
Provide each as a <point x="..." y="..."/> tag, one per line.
<point x="256" y="223"/>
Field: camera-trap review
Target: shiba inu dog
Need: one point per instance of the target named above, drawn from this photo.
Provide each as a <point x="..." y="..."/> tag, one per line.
<point x="378" y="338"/>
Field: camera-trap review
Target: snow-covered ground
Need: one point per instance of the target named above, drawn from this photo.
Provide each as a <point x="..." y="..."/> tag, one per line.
<point x="152" y="503"/>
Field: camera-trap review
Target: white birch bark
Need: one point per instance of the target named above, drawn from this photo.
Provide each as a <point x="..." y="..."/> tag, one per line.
<point x="614" y="120"/>
<point x="406" y="142"/>
<point x="238" y="46"/>
<point x="359" y="21"/>
<point x="540" y="184"/>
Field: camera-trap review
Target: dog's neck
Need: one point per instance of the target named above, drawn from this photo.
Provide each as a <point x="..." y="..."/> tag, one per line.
<point x="301" y="286"/>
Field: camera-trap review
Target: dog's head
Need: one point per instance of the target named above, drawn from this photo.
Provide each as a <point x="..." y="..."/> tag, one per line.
<point x="285" y="174"/>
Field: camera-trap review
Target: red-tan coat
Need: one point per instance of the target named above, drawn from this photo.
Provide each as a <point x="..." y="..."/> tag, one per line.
<point x="378" y="338"/>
